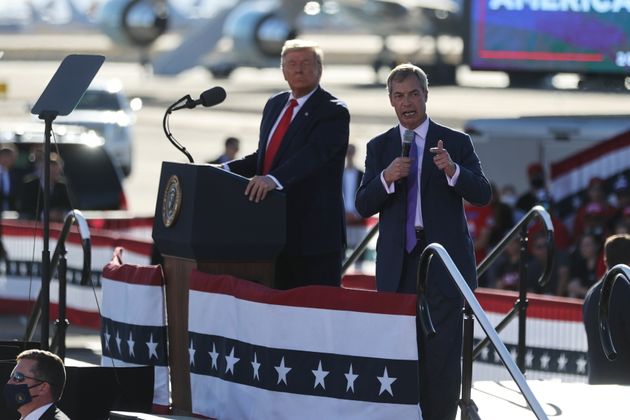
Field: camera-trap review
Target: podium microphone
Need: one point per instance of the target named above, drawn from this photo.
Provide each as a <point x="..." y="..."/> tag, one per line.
<point x="210" y="97"/>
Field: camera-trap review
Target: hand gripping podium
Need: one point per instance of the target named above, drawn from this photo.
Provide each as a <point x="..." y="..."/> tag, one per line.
<point x="203" y="220"/>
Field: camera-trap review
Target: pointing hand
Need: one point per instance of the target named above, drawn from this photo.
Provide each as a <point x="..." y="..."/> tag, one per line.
<point x="442" y="159"/>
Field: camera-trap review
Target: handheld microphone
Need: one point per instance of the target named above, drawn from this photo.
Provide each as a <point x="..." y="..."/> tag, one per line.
<point x="408" y="138"/>
<point x="406" y="143"/>
<point x="210" y="97"/>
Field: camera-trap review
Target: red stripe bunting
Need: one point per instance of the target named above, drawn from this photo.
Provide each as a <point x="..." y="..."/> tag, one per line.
<point x="321" y="297"/>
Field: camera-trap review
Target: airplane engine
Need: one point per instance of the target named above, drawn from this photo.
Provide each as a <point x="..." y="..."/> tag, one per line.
<point x="136" y="23"/>
<point x="258" y="33"/>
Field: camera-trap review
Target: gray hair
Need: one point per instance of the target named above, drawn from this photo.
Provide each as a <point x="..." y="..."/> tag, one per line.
<point x="402" y="71"/>
<point x="302" y="44"/>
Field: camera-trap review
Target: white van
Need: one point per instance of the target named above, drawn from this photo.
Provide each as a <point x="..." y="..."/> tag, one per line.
<point x="506" y="146"/>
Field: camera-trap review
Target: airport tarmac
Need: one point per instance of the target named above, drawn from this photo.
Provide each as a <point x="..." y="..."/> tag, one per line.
<point x="203" y="130"/>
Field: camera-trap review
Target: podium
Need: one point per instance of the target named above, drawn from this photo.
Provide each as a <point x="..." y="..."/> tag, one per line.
<point x="203" y="220"/>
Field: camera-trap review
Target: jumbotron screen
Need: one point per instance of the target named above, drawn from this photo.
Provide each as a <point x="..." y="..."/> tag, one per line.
<point x="581" y="36"/>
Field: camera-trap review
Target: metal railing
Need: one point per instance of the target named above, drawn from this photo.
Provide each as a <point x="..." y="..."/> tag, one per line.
<point x="472" y="308"/>
<point x="605" y="299"/>
<point x="520" y="306"/>
<point x="58" y="261"/>
<point x="360" y="249"/>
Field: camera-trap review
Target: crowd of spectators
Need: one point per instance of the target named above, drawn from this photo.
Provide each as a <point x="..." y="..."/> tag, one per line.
<point x="579" y="237"/>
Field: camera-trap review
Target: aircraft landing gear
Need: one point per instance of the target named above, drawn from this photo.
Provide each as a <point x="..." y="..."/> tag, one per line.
<point x="385" y="58"/>
<point x="221" y="71"/>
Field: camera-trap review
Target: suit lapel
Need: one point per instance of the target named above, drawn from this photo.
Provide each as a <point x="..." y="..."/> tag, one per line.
<point x="394" y="146"/>
<point x="269" y="120"/>
<point x="428" y="167"/>
<point x="298" y="123"/>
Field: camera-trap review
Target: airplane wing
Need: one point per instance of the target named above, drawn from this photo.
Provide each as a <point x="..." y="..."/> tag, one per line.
<point x="193" y="47"/>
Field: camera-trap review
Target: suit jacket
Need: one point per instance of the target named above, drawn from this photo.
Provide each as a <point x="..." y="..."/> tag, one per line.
<point x="30" y="203"/>
<point x="54" y="413"/>
<point x="309" y="165"/>
<point x="442" y="206"/>
<point x="9" y="198"/>
<point x="354" y="187"/>
<point x="600" y="369"/>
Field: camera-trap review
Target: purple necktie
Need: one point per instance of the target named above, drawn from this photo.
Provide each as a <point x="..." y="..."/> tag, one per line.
<point x="412" y="194"/>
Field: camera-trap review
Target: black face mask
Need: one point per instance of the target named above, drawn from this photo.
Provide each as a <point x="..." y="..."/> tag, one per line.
<point x="16" y="395"/>
<point x="537" y="182"/>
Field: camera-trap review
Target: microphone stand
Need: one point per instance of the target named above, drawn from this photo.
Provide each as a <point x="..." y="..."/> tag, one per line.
<point x="48" y="118"/>
<point x="167" y="131"/>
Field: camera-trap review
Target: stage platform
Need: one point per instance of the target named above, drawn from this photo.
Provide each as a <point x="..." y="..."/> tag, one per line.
<point x="127" y="415"/>
<point x="559" y="400"/>
<point x="502" y="400"/>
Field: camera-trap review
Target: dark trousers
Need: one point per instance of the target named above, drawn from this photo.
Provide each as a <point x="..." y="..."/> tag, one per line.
<point x="439" y="357"/>
<point x="307" y="270"/>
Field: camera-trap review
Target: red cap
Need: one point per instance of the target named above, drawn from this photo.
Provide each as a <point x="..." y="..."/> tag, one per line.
<point x="535" y="168"/>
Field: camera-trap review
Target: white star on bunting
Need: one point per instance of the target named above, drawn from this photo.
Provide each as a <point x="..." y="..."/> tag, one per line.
<point x="107" y="336"/>
<point x="350" y="378"/>
<point x="581" y="365"/>
<point x="529" y="358"/>
<point x="231" y="361"/>
<point x="214" y="356"/>
<point x="282" y="371"/>
<point x="544" y="361"/>
<point x="320" y="375"/>
<point x="152" y="348"/>
<point x="191" y="353"/>
<point x="256" y="367"/>
<point x="131" y="343"/>
<point x="562" y="362"/>
<point x="386" y="383"/>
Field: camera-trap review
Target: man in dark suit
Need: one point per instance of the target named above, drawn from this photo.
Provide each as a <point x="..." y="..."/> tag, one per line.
<point x="356" y="226"/>
<point x="30" y="202"/>
<point x="36" y="384"/>
<point x="600" y="369"/>
<point x="230" y="150"/>
<point x="442" y="171"/>
<point x="8" y="185"/>
<point x="301" y="150"/>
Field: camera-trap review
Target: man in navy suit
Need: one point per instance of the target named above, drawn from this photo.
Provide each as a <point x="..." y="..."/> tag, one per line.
<point x="306" y="162"/>
<point x="36" y="384"/>
<point x="445" y="171"/>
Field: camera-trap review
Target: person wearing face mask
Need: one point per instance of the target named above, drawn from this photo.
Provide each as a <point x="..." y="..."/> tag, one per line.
<point x="35" y="385"/>
<point x="537" y="192"/>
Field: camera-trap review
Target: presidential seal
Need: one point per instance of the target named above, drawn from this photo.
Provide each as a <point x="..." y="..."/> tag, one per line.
<point x="172" y="201"/>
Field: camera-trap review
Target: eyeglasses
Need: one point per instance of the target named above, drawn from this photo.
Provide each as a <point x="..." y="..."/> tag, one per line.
<point x="19" y="377"/>
<point x="294" y="65"/>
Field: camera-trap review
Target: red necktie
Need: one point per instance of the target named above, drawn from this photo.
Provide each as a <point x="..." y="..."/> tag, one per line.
<point x="276" y="138"/>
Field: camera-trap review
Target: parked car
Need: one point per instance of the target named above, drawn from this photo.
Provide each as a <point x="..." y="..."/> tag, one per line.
<point x="93" y="181"/>
<point x="106" y="109"/>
